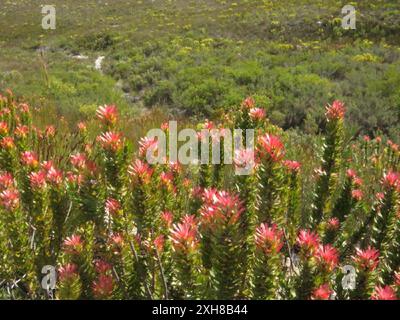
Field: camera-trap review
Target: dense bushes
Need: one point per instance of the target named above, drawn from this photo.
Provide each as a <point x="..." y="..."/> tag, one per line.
<point x="116" y="227"/>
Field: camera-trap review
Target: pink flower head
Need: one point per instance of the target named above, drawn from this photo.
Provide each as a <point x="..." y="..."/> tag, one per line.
<point x="103" y="286"/>
<point x="21" y="131"/>
<point x="3" y="128"/>
<point x="323" y="292"/>
<point x="248" y="103"/>
<point x="224" y="208"/>
<point x="327" y="257"/>
<point x="397" y="278"/>
<point x="165" y="126"/>
<point x="270" y="146"/>
<point x="308" y="240"/>
<point x="140" y="170"/>
<point x="351" y="174"/>
<point x="9" y="199"/>
<point x="7" y="143"/>
<point x="269" y="238"/>
<point x="112" y="206"/>
<point x="333" y="224"/>
<point x="82" y="126"/>
<point x="54" y="176"/>
<point x="111" y="141"/>
<point x="102" y="266"/>
<point x="357" y="194"/>
<point x="50" y="131"/>
<point x="29" y="158"/>
<point x="38" y="179"/>
<point x="167" y="217"/>
<point x="335" y="111"/>
<point x="244" y="158"/>
<point x="190" y="219"/>
<point x="167" y="179"/>
<point x="390" y="179"/>
<point x="67" y="272"/>
<point x="108" y="114"/>
<point x="116" y="239"/>
<point x="73" y="244"/>
<point x="366" y="138"/>
<point x="184" y="237"/>
<point x="293" y="166"/>
<point x="159" y="243"/>
<point x="208" y="125"/>
<point x="78" y="160"/>
<point x="147" y="146"/>
<point x="367" y="259"/>
<point x="23" y="107"/>
<point x="257" y="114"/>
<point x="384" y="293"/>
<point x="6" y="180"/>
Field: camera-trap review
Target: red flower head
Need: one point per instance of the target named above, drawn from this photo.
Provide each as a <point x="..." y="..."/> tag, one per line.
<point x="270" y="146"/>
<point x="9" y="199"/>
<point x="78" y="160"/>
<point x="140" y="170"/>
<point x="111" y="141"/>
<point x="184" y="237"/>
<point x="308" y="240"/>
<point x="224" y="208"/>
<point x="327" y="256"/>
<point x="167" y="217"/>
<point x="73" y="244"/>
<point x="147" y="146"/>
<point x="397" y="278"/>
<point x="112" y="206"/>
<point x="333" y="224"/>
<point x="165" y="126"/>
<point x="116" y="239"/>
<point x="67" y="272"/>
<point x="190" y="219"/>
<point x="54" y="176"/>
<point x="21" y="131"/>
<point x="102" y="266"/>
<point x="269" y="238"/>
<point x="366" y="138"/>
<point x="50" y="131"/>
<point x="208" y="125"/>
<point x="23" y="107"/>
<point x="248" y="103"/>
<point x="29" y="158"/>
<point x="7" y="143"/>
<point x="323" y="292"/>
<point x="108" y="114"/>
<point x="335" y="111"/>
<point x="293" y="166"/>
<point x="357" y="194"/>
<point x="159" y="243"/>
<point x="82" y="126"/>
<point x="367" y="259"/>
<point x="244" y="158"/>
<point x="390" y="180"/>
<point x="6" y="180"/>
<point x="3" y="128"/>
<point x="38" y="179"/>
<point x="384" y="293"/>
<point x="103" y="286"/>
<point x="167" y="179"/>
<point x="257" y="114"/>
<point x="351" y="174"/>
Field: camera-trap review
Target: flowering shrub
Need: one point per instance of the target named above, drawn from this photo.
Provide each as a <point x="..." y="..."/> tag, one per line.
<point x="117" y="227"/>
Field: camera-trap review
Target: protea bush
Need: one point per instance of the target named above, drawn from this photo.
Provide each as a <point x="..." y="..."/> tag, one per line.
<point x="85" y="201"/>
